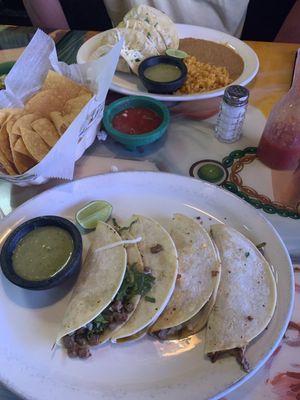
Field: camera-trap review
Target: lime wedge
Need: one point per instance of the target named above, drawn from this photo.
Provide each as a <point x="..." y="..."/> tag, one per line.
<point x="89" y="215"/>
<point x="176" y="53"/>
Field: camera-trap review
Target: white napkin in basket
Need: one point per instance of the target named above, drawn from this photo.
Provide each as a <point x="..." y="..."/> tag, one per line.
<point x="27" y="76"/>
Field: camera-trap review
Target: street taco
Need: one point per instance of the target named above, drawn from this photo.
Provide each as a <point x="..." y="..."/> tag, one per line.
<point x="111" y="283"/>
<point x="197" y="281"/>
<point x="246" y="297"/>
<point x="146" y="32"/>
<point x="160" y="260"/>
<point x="106" y="293"/>
<point x="157" y="21"/>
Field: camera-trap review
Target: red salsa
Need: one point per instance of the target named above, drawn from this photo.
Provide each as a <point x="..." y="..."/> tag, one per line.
<point x="135" y="121"/>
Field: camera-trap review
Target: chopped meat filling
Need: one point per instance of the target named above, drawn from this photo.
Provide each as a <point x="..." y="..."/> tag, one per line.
<point x="238" y="353"/>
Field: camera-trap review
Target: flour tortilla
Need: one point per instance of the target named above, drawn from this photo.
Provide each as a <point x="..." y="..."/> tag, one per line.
<point x="99" y="281"/>
<point x="163" y="266"/>
<point x="199" y="275"/>
<point x="159" y="21"/>
<point x="247" y="294"/>
<point x="137" y="46"/>
<point x="106" y="41"/>
<point x="147" y="32"/>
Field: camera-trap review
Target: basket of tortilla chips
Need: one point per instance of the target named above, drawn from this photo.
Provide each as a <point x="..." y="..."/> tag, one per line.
<point x="50" y="112"/>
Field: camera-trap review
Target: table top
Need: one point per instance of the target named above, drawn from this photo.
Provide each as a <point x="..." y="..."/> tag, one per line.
<point x="188" y="145"/>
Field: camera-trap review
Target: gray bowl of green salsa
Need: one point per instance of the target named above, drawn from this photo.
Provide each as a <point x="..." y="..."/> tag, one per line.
<point x="42" y="253"/>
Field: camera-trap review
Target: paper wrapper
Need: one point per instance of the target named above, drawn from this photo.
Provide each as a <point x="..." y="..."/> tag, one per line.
<point x="27" y="76"/>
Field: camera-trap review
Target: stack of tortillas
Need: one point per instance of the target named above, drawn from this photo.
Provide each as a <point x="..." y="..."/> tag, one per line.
<point x="28" y="134"/>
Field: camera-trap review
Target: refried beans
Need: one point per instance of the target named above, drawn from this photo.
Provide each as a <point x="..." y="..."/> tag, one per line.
<point x="217" y="54"/>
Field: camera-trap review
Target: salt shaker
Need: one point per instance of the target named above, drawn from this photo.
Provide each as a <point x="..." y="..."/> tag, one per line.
<point x="232" y="114"/>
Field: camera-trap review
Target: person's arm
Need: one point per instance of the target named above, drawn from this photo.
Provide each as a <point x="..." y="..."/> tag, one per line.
<point x="46" y="14"/>
<point x="290" y="29"/>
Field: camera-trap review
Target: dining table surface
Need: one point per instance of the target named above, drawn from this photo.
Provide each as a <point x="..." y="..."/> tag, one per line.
<point x="189" y="144"/>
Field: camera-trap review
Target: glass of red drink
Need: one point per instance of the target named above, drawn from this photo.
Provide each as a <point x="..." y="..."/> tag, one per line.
<point x="279" y="146"/>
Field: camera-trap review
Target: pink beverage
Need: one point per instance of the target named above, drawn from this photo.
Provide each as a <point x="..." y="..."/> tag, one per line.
<point x="279" y="146"/>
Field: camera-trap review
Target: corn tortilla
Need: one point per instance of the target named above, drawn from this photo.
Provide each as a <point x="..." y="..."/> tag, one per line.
<point x="247" y="293"/>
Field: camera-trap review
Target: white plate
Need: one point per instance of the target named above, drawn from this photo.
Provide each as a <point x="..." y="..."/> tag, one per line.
<point x="130" y="84"/>
<point x="146" y="369"/>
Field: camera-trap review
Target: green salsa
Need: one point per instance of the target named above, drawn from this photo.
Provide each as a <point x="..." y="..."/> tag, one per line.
<point x="42" y="253"/>
<point x="162" y="72"/>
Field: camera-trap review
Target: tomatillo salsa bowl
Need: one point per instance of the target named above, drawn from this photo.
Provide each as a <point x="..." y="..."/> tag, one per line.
<point x="42" y="253"/>
<point x="131" y="114"/>
<point x="162" y="74"/>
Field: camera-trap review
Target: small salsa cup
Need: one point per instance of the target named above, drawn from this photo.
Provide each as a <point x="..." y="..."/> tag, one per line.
<point x="132" y="141"/>
<point x="71" y="267"/>
<point x="162" y="87"/>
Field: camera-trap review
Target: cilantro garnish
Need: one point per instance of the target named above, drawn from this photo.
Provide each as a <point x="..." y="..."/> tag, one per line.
<point x="99" y="324"/>
<point x="150" y="299"/>
<point x="122" y="228"/>
<point x="261" y="245"/>
<point x="134" y="283"/>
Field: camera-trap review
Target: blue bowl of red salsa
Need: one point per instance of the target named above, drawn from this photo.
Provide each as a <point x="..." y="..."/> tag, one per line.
<point x="136" y="121"/>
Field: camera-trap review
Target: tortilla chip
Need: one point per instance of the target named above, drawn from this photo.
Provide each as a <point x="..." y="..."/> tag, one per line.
<point x="4" y="139"/>
<point x="60" y="121"/>
<point x="44" y="102"/>
<point x="21" y="148"/>
<point x="23" y="121"/>
<point x="21" y="162"/>
<point x="9" y="124"/>
<point x="8" y="112"/>
<point x="7" y="165"/>
<point x="63" y="85"/>
<point x="34" y="144"/>
<point x="12" y="115"/>
<point x="75" y="105"/>
<point x="47" y="131"/>
<point x="84" y="90"/>
<point x="12" y="119"/>
<point x="3" y="116"/>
